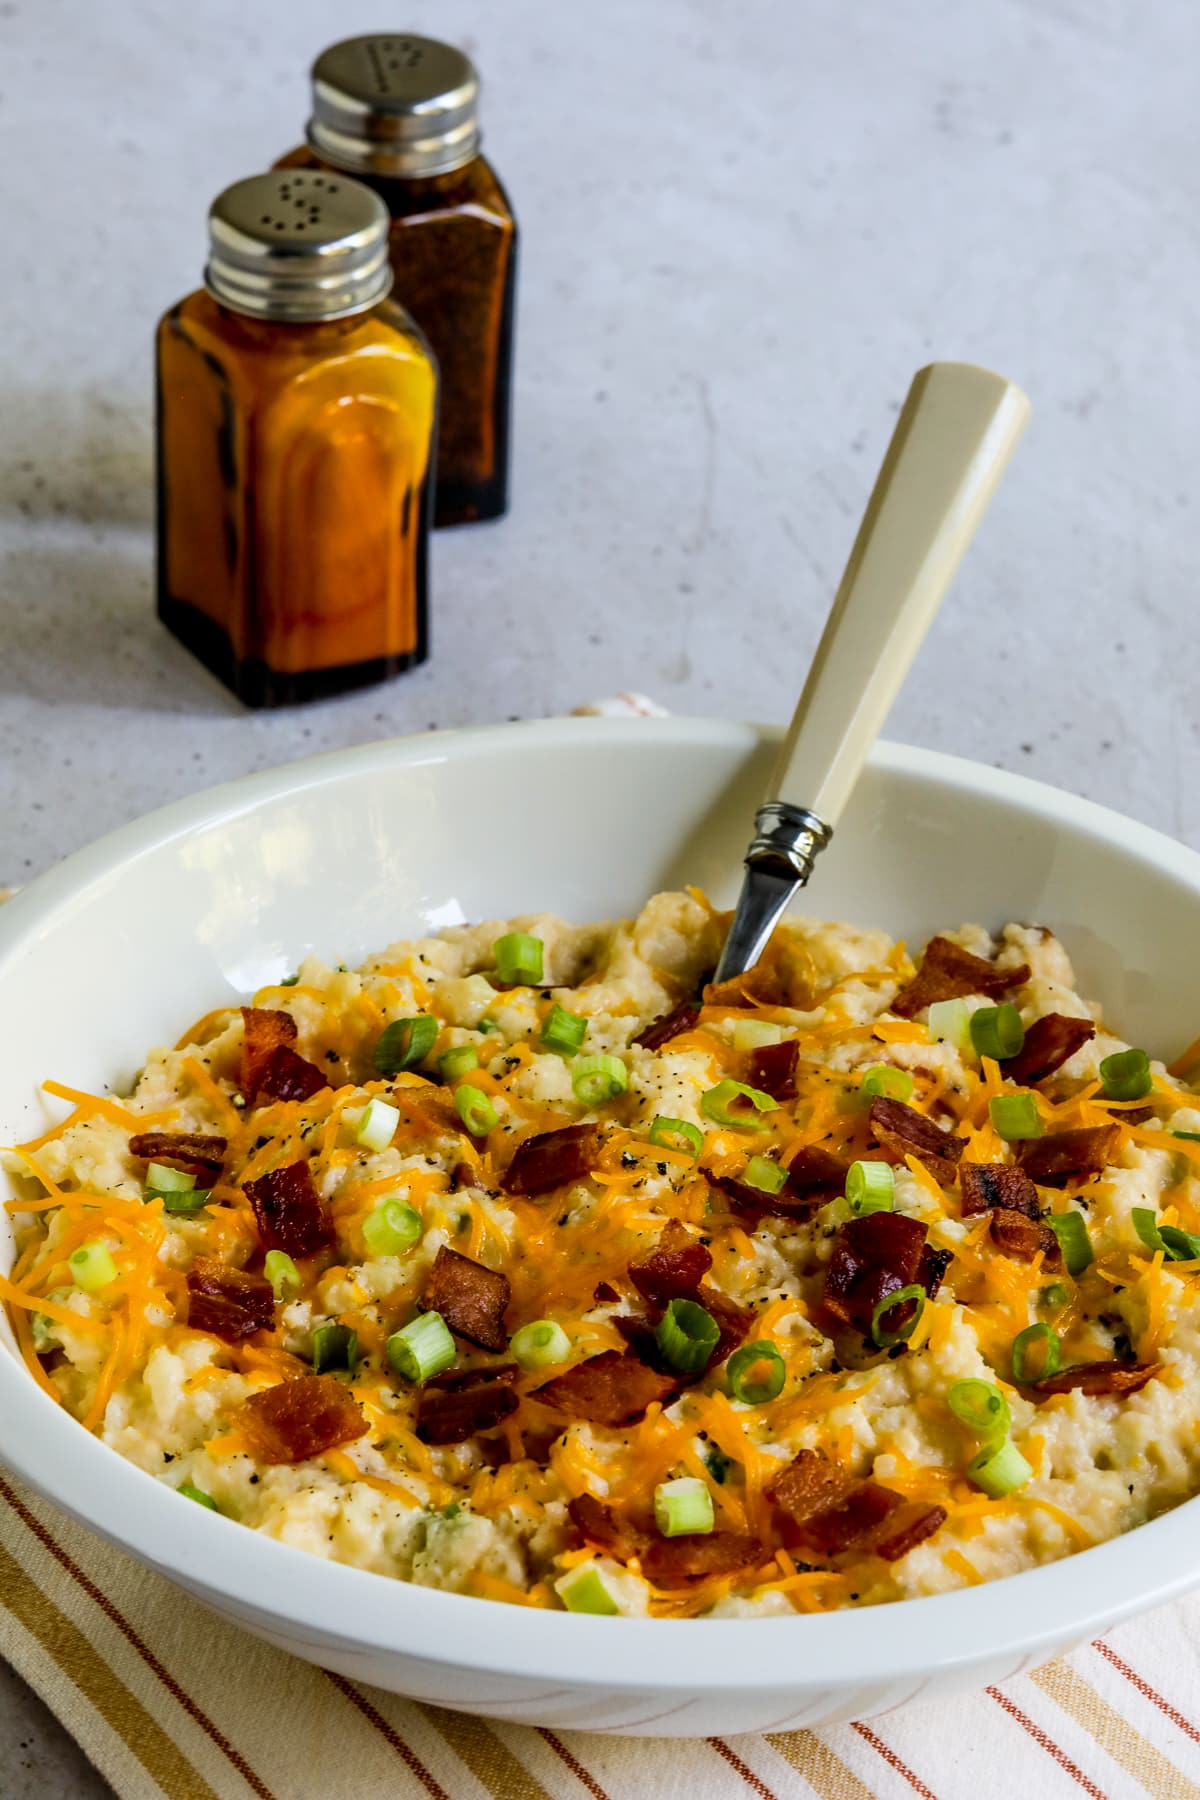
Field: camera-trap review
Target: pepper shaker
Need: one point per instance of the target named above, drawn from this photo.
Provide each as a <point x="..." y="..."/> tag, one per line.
<point x="400" y="112"/>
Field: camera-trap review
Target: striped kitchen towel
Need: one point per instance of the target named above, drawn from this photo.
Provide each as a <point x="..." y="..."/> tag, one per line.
<point x="171" y="1703"/>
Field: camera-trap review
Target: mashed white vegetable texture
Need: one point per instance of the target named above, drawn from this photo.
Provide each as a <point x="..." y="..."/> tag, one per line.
<point x="523" y="1263"/>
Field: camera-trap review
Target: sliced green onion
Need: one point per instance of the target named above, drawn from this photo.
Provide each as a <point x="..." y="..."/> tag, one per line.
<point x="1036" y="1353"/>
<point x="334" y="1347"/>
<point x="1176" y="1245"/>
<point x="756" y="1373"/>
<point x="997" y="1031"/>
<point x="519" y="959"/>
<point x="177" y="1190"/>
<point x="289" y="981"/>
<point x="42" y="1328"/>
<point x="717" y="1463"/>
<point x="596" y="1079"/>
<point x="753" y="1034"/>
<point x="165" y="1180"/>
<point x="540" y="1344"/>
<point x="765" y="1174"/>
<point x="1015" y="1116"/>
<point x="191" y="1492"/>
<point x="377" y="1127"/>
<point x="563" y="1031"/>
<point x="889" y="1082"/>
<point x="1126" y="1075"/>
<point x="405" y="1043"/>
<point x="684" y="1507"/>
<point x="1182" y="1246"/>
<point x="92" y="1267"/>
<point x="1054" y="1295"/>
<point x="1071" y="1231"/>
<point x="489" y="1027"/>
<point x="981" y="1407"/>
<point x="475" y="1110"/>
<point x="950" y="1021"/>
<point x="999" y="1469"/>
<point x="392" y="1227"/>
<point x="733" y="1103"/>
<point x="883" y="1335"/>
<point x="191" y="1200"/>
<point x="870" y="1188"/>
<point x="663" y="1130"/>
<point x="582" y="1590"/>
<point x="687" y="1336"/>
<point x="422" y="1349"/>
<point x="458" y="1061"/>
<point x="1192" y="1136"/>
<point x="282" y="1274"/>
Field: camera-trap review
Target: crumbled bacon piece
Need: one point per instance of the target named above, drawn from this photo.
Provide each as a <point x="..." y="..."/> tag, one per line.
<point x="298" y="1419"/>
<point x="227" y="1302"/>
<point x="733" y="1322"/>
<point x="457" y="1405"/>
<point x="195" y="1149"/>
<point x="605" y="1293"/>
<point x="810" y="1485"/>
<point x="674" y="1268"/>
<point x="1052" y="1160"/>
<point x="286" y="1076"/>
<point x="816" y="1171"/>
<point x="1049" y="1043"/>
<point x="873" y="1257"/>
<point x="947" y="972"/>
<point x="290" y="1213"/>
<point x="681" y="1018"/>
<point x="772" y="1068"/>
<point x="908" y="1525"/>
<point x="985" y="1185"/>
<point x="904" y="1131"/>
<point x="831" y="1511"/>
<point x="931" y="1269"/>
<point x="1097" y="1378"/>
<point x="1022" y="1237"/>
<point x="756" y="1203"/>
<point x="668" y="1561"/>
<point x="264" y="1030"/>
<point x="813" y="1176"/>
<point x="610" y="1389"/>
<point x="471" y="1298"/>
<point x="664" y="1561"/>
<point x="552" y="1159"/>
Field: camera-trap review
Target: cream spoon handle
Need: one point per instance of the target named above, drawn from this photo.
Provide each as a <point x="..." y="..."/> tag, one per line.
<point x="955" y="434"/>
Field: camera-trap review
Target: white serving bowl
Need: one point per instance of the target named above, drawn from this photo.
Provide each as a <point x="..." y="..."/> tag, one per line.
<point x="201" y="903"/>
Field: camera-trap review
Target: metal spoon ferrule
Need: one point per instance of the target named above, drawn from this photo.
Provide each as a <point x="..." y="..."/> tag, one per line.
<point x="786" y="843"/>
<point x="787" y="839"/>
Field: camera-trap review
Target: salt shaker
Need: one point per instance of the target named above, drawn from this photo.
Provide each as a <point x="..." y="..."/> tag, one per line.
<point x="296" y="433"/>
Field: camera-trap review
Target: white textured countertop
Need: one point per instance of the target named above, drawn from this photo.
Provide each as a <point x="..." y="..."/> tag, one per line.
<point x="743" y="230"/>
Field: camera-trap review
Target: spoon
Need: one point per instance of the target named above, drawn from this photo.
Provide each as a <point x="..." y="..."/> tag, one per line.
<point x="956" y="431"/>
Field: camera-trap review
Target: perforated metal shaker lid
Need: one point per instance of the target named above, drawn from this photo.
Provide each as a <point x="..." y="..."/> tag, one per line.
<point x="297" y="245"/>
<point x="395" y="105"/>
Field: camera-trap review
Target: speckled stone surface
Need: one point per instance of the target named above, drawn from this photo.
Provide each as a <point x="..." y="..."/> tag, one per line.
<point x="743" y="230"/>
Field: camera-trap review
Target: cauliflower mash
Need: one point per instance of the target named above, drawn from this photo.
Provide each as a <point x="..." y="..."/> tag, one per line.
<point x="521" y="1262"/>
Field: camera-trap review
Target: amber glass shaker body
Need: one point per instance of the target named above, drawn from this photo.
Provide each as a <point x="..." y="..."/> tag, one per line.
<point x="297" y="413"/>
<point x="401" y="114"/>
